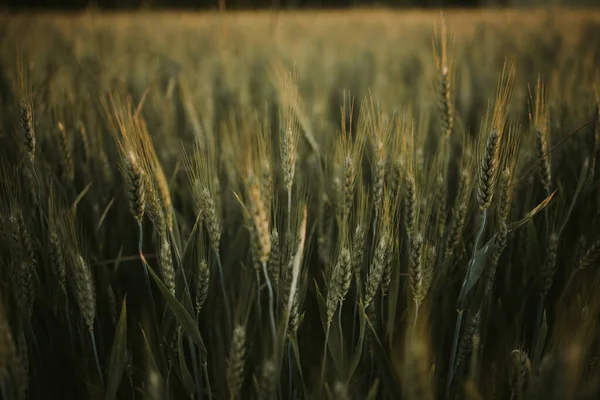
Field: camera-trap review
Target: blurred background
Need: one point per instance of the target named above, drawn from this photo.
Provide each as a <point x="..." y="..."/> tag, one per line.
<point x="283" y="4"/>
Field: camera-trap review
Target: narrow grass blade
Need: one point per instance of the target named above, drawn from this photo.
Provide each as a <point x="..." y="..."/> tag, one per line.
<point x="541" y="341"/>
<point x="80" y="197"/>
<point x="517" y="224"/>
<point x="333" y="342"/>
<point x="582" y="179"/>
<point x="384" y="366"/>
<point x="475" y="272"/>
<point x="296" y="350"/>
<point x="118" y="356"/>
<point x="359" y="346"/>
<point x="186" y="376"/>
<point x="374" y="390"/>
<point x="149" y="353"/>
<point x="184" y="318"/>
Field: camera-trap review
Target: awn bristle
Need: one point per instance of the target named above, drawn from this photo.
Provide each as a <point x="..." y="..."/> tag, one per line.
<point x="28" y="128"/>
<point x="136" y="190"/>
<point x="488" y="171"/>
<point x="84" y="291"/>
<point x="235" y="362"/>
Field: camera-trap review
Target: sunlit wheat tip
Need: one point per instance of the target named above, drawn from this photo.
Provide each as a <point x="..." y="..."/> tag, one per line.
<point x="488" y="171"/>
<point x="136" y="190"/>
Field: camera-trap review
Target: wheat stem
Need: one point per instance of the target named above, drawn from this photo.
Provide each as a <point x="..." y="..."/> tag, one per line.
<point x="205" y="372"/>
<point x="341" y="333"/>
<point x="271" y="301"/>
<point x="97" y="360"/>
<point x="324" y="362"/>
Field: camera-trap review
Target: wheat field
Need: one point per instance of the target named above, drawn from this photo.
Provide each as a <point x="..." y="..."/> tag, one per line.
<point x="363" y="204"/>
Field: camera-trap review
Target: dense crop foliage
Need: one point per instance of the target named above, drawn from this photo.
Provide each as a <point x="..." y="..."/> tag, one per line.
<point x="314" y="205"/>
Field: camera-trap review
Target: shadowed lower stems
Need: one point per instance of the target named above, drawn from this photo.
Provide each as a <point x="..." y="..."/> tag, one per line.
<point x="341" y="333"/>
<point x="461" y="307"/>
<point x="290" y="370"/>
<point x="205" y="373"/>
